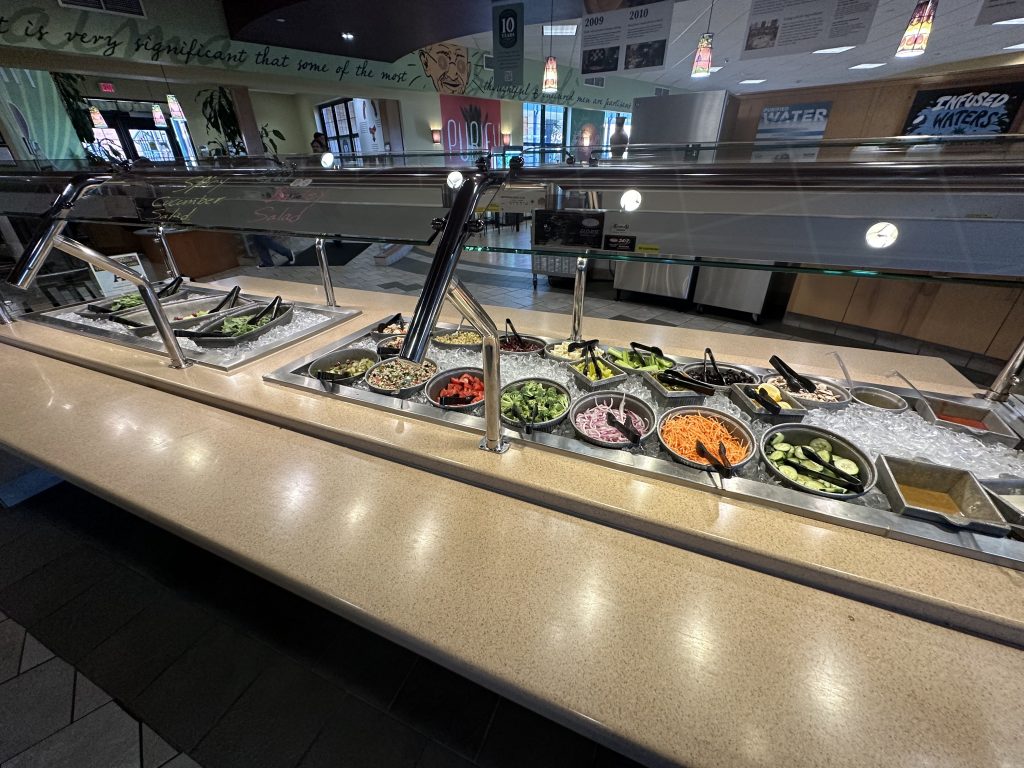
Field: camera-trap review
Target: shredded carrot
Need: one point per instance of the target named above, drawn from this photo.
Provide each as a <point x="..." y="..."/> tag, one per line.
<point x="681" y="434"/>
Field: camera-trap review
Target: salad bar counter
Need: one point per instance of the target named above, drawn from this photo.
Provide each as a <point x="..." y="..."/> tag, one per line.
<point x="768" y="435"/>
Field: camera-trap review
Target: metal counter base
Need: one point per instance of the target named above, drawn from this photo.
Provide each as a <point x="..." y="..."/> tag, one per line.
<point x="1001" y="551"/>
<point x="222" y="360"/>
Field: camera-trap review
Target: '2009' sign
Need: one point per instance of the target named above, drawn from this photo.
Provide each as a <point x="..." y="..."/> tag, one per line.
<point x="470" y="125"/>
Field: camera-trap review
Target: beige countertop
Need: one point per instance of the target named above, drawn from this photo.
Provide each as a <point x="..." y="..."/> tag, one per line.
<point x="948" y="589"/>
<point x="677" y="657"/>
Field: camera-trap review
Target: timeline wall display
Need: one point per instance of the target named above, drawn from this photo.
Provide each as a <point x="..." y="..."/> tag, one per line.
<point x="995" y="11"/>
<point x="964" y="111"/>
<point x="620" y="35"/>
<point x="782" y="27"/>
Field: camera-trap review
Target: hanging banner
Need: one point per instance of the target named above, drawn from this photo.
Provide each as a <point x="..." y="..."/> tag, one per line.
<point x="795" y="122"/>
<point x="782" y="27"/>
<point x="507" y="43"/>
<point x="964" y="111"/>
<point x="996" y="11"/>
<point x="628" y="36"/>
<point x="470" y="125"/>
<point x="368" y="123"/>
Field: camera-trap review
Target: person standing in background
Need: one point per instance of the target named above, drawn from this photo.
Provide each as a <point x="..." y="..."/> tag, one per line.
<point x="319" y="143"/>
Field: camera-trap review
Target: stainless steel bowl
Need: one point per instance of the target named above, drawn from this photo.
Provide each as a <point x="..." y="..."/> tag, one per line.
<point x="614" y="399"/>
<point x="404" y="391"/>
<point x="801" y="435"/>
<point x="382" y="348"/>
<point x="690" y="368"/>
<point x="841" y="392"/>
<point x="535" y="339"/>
<point x="584" y="382"/>
<point x="445" y="345"/>
<point x="876" y="397"/>
<point x="321" y="364"/>
<point x="736" y="428"/>
<point x="433" y="388"/>
<point x="543" y="426"/>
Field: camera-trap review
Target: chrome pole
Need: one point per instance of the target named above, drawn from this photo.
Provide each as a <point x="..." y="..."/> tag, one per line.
<point x="325" y="272"/>
<point x="89" y="256"/>
<point x="6" y="318"/>
<point x="465" y="302"/>
<point x="578" y="294"/>
<point x="172" y="265"/>
<point x="1008" y="378"/>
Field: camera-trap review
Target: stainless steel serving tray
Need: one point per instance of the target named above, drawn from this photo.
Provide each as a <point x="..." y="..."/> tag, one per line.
<point x="221" y="359"/>
<point x="880" y="522"/>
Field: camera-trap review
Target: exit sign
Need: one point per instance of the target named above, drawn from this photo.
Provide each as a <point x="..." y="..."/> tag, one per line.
<point x="106" y="87"/>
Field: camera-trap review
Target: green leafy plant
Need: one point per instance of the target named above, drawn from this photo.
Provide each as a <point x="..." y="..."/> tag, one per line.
<point x="219" y="112"/>
<point x="269" y="138"/>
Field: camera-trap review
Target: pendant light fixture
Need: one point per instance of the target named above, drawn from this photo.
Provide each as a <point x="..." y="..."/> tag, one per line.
<point x="919" y="29"/>
<point x="702" y="58"/>
<point x="550" y="82"/>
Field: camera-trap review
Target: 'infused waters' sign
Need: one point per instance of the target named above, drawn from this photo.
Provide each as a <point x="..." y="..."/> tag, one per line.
<point x="964" y="111"/>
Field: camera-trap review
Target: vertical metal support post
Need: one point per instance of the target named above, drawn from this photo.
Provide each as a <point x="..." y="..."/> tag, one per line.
<point x="89" y="256"/>
<point x="464" y="301"/>
<point x="1008" y="378"/>
<point x="172" y="265"/>
<point x="325" y="272"/>
<point x="6" y="318"/>
<point x="578" y="294"/>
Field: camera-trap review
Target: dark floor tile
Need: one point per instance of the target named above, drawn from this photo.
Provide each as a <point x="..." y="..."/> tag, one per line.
<point x="58" y="582"/>
<point x="33" y="653"/>
<point x="34" y="705"/>
<point x="108" y="738"/>
<point x="14" y="523"/>
<point x="155" y="751"/>
<point x="12" y="640"/>
<point x="436" y="756"/>
<point x="76" y="629"/>
<point x="519" y="737"/>
<point x="88" y="696"/>
<point x="446" y="707"/>
<point x="42" y="544"/>
<point x="361" y="736"/>
<point x="606" y="758"/>
<point x="191" y="695"/>
<point x="136" y="654"/>
<point x="273" y="723"/>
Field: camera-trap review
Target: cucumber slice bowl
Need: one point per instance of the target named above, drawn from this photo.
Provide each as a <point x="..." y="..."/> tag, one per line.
<point x="791" y="453"/>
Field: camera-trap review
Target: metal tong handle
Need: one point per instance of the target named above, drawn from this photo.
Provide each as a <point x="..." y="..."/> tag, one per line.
<point x="910" y="384"/>
<point x="709" y="356"/>
<point x="270" y="309"/>
<point x="713" y="460"/>
<point x="573" y="346"/>
<point x="391" y="321"/>
<point x="628" y="430"/>
<point x="229" y="300"/>
<point x="655" y="352"/>
<point x="763" y="400"/>
<point x="678" y="377"/>
<point x="831" y="465"/>
<point x="845" y="370"/>
<point x="515" y="333"/>
<point x="797" y="382"/>
<point x="171" y="288"/>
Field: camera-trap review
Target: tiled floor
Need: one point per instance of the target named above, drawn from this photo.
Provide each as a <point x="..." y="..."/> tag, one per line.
<point x="113" y="631"/>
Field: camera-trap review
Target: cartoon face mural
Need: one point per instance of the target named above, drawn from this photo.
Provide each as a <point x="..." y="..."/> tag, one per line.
<point x="447" y="66"/>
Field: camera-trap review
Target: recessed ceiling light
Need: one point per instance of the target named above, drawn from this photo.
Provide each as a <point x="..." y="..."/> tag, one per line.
<point x="1010" y="21"/>
<point x="347" y="36"/>
<point x="559" y="30"/>
<point x="751" y="82"/>
<point x="714" y="69"/>
<point x="840" y="49"/>
<point x="1017" y="47"/>
<point x="279" y="21"/>
<point x="867" y="66"/>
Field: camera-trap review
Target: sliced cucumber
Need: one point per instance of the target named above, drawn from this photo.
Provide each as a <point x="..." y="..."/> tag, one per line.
<point x="777" y="438"/>
<point x="827" y="456"/>
<point x="781" y="445"/>
<point x="814" y="485"/>
<point x="811" y="465"/>
<point x="776" y="456"/>
<point x="788" y="471"/>
<point x="849" y="467"/>
<point x="821" y="444"/>
<point x="798" y="452"/>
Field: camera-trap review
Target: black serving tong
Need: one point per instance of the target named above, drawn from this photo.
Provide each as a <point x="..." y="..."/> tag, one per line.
<point x="171" y="288"/>
<point x="228" y="301"/>
<point x="763" y="400"/>
<point x="589" y="357"/>
<point x="528" y="422"/>
<point x="515" y="333"/>
<point x="795" y="381"/>
<point x="391" y="321"/>
<point x="673" y="376"/>
<point x="655" y="352"/>
<point x="724" y="456"/>
<point x="715" y="462"/>
<point x="327" y="380"/>
<point x="270" y="309"/>
<point x="853" y="479"/>
<point x="455" y="400"/>
<point x="709" y="357"/>
<point x="183" y="334"/>
<point x="628" y="430"/>
<point x="841" y="482"/>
